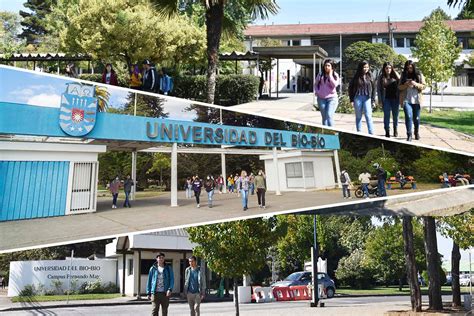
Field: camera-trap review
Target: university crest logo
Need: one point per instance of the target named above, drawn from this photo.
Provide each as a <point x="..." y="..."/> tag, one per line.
<point x="78" y="111"/>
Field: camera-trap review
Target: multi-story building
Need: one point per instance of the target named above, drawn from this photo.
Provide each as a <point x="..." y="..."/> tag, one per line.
<point x="334" y="36"/>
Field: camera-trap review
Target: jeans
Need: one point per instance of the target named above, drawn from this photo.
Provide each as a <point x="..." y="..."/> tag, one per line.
<point x="189" y="191"/>
<point x="245" y="198"/>
<point x="346" y="192"/>
<point x="114" y="199"/>
<point x="328" y="107"/>
<point x="209" y="197"/>
<point x="252" y="188"/>
<point x="412" y="116"/>
<point x="390" y="105"/>
<point x="158" y="299"/>
<point x="365" y="189"/>
<point x="261" y="197"/>
<point x="194" y="301"/>
<point x="127" y="201"/>
<point x="197" y="194"/>
<point x="363" y="105"/>
<point x="381" y="187"/>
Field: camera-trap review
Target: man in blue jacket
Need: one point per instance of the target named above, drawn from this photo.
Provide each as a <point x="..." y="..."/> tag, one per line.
<point x="160" y="285"/>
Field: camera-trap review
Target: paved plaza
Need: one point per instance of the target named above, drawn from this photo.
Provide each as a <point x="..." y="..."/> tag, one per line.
<point x="155" y="213"/>
<point x="298" y="107"/>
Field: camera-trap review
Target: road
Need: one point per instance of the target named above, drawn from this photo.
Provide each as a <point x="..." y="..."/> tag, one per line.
<point x="336" y="306"/>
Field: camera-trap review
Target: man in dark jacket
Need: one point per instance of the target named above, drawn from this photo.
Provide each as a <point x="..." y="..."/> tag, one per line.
<point x="150" y="77"/>
<point x="381" y="179"/>
<point x="127" y="188"/>
<point x="160" y="285"/>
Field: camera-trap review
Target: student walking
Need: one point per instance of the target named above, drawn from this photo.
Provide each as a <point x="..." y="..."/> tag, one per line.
<point x="114" y="189"/>
<point x="230" y="183"/>
<point x="362" y="95"/>
<point x="381" y="179"/>
<point x="237" y="183"/>
<point x="411" y="89"/>
<point x="150" y="77"/>
<point x="189" y="188"/>
<point x="387" y="91"/>
<point x="325" y="89"/>
<point x="244" y="185"/>
<point x="252" y="184"/>
<point x="364" y="179"/>
<point x="109" y="76"/>
<point x="135" y="78"/>
<point x="165" y="82"/>
<point x="209" y="185"/>
<point x="346" y="182"/>
<point x="127" y="188"/>
<point x="159" y="285"/>
<point x="194" y="286"/>
<point x="220" y="184"/>
<point x="197" y="186"/>
<point x="261" y="188"/>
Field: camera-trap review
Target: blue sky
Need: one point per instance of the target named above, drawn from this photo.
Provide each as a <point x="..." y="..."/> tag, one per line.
<point x="324" y="11"/>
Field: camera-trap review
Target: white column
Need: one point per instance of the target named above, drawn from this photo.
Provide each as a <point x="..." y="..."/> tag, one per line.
<point x="223" y="172"/>
<point x="134" y="175"/>
<point x="338" y="168"/>
<point x="277" y="172"/>
<point x="174" y="175"/>
<point x="314" y="77"/>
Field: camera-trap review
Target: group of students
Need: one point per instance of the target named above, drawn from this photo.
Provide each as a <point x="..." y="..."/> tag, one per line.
<point x="364" y="179"/>
<point x="242" y="184"/>
<point x="393" y="90"/>
<point x="148" y="79"/>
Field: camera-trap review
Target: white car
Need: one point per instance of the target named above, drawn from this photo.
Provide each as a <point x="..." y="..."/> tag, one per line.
<point x="464" y="280"/>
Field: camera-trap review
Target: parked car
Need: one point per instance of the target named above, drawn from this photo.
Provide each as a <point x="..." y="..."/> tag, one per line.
<point x="304" y="278"/>
<point x="464" y="280"/>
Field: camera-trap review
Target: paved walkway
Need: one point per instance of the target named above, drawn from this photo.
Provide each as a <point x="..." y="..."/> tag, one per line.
<point x="152" y="214"/>
<point x="298" y="107"/>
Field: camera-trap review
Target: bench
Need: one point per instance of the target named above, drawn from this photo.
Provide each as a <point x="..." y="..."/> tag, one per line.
<point x="453" y="182"/>
<point x="408" y="180"/>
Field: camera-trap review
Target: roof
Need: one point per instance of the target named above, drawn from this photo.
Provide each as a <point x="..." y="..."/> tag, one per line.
<point x="172" y="232"/>
<point x="348" y="28"/>
<point x="43" y="57"/>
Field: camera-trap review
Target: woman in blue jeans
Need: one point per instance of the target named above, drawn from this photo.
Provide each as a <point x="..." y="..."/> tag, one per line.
<point x="387" y="90"/>
<point x="362" y="95"/>
<point x="244" y="185"/>
<point x="325" y="89"/>
<point x="411" y="89"/>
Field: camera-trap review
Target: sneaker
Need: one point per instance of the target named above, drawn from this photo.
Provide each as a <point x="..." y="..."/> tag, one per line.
<point x="113" y="206"/>
<point x="264" y="207"/>
<point x="198" y="206"/>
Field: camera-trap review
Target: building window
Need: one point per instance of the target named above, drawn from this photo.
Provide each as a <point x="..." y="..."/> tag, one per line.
<point x="288" y="43"/>
<point x="308" y="169"/>
<point x="399" y="42"/>
<point x="130" y="266"/>
<point x="294" y="170"/>
<point x="296" y="42"/>
<point x="146" y="264"/>
<point x="410" y="42"/>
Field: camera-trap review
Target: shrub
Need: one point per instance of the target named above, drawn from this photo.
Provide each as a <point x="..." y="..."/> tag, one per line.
<point x="353" y="271"/>
<point x="111" y="288"/>
<point x="58" y="286"/>
<point x="344" y="105"/>
<point x="28" y="291"/>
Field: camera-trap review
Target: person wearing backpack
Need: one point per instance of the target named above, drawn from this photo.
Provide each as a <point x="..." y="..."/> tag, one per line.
<point x="346" y="182"/>
<point x="166" y="82"/>
<point x="325" y="86"/>
<point x="159" y="285"/>
<point x="197" y="186"/>
<point x="209" y="185"/>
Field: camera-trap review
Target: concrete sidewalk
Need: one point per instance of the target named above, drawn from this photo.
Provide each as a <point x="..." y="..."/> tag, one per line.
<point x="153" y="214"/>
<point x="299" y="108"/>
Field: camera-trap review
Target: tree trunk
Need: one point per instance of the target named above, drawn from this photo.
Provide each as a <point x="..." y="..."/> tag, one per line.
<point x="415" y="293"/>
<point x="400" y="284"/>
<point x="214" y="17"/>
<point x="226" y="286"/>
<point x="455" y="258"/>
<point x="236" y="297"/>
<point x="431" y="95"/>
<point x="432" y="263"/>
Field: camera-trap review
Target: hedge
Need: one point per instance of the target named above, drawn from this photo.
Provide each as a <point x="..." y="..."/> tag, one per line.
<point x="230" y="89"/>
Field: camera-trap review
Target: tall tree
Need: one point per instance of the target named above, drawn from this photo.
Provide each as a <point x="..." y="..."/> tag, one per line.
<point x="216" y="21"/>
<point x="410" y="260"/>
<point x="9" y="30"/>
<point x="439" y="11"/>
<point x="460" y="228"/>
<point x="432" y="263"/>
<point x="34" y="23"/>
<point x="235" y="248"/>
<point x="436" y="49"/>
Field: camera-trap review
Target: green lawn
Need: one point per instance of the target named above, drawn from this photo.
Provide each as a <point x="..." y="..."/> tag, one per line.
<point x="392" y="290"/>
<point x="460" y="121"/>
<point x="75" y="297"/>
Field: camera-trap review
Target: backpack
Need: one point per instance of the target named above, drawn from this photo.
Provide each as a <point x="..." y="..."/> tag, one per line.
<point x="342" y="177"/>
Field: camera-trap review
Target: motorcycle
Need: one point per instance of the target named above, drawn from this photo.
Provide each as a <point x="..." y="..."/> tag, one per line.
<point x="373" y="190"/>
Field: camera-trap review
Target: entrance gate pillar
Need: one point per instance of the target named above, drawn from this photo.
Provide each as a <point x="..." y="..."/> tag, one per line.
<point x="134" y="175"/>
<point x="224" y="173"/>
<point x="277" y="173"/>
<point x="338" y="168"/>
<point x="174" y="175"/>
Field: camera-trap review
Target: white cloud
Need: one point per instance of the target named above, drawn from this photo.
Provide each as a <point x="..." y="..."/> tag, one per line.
<point x="44" y="99"/>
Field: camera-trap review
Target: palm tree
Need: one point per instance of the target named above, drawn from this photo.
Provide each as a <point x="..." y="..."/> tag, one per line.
<point x="215" y="22"/>
<point x="102" y="96"/>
